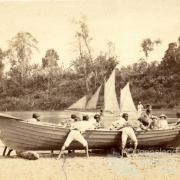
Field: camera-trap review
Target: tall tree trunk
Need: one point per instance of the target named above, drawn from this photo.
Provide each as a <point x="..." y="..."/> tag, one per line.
<point x="86" y="78"/>
<point x="49" y="82"/>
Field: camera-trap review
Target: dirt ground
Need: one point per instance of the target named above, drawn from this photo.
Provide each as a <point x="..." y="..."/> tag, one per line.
<point x="144" y="165"/>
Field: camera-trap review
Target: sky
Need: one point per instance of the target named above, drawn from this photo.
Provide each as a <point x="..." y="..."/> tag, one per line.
<point x="124" y="22"/>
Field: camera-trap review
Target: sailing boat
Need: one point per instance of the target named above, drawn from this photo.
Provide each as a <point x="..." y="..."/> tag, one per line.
<point x="126" y="101"/>
<point x="80" y="104"/>
<point x="92" y="103"/>
<point x="110" y="99"/>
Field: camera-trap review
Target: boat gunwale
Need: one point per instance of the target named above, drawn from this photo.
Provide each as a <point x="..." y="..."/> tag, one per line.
<point x="51" y="126"/>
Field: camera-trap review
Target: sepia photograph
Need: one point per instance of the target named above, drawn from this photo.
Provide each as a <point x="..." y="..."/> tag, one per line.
<point x="89" y="89"/>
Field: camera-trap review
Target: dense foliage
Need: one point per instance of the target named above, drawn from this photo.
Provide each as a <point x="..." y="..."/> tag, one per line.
<point x="156" y="83"/>
<point x="48" y="86"/>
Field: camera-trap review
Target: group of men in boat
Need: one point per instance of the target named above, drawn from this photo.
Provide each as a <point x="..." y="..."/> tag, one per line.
<point x="79" y="125"/>
<point x="146" y="122"/>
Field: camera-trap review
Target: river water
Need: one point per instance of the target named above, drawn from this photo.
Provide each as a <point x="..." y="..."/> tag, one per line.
<point x="47" y="116"/>
<point x="58" y="116"/>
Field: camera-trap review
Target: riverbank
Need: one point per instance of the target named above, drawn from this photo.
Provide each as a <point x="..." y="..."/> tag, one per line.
<point x="144" y="165"/>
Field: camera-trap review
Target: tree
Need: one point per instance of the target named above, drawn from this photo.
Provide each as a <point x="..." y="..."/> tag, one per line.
<point x="49" y="63"/>
<point x="50" y="59"/>
<point x="85" y="55"/>
<point x="2" y="79"/>
<point x="178" y="51"/>
<point x="20" y="51"/>
<point x="179" y="41"/>
<point x="104" y="65"/>
<point x="169" y="59"/>
<point x="147" y="47"/>
<point x="1" y="63"/>
<point x="84" y="38"/>
<point x="86" y="64"/>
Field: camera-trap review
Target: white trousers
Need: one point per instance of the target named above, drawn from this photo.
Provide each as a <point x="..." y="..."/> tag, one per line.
<point x="75" y="135"/>
<point x="128" y="132"/>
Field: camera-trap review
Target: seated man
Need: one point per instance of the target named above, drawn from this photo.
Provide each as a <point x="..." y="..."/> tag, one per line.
<point x="139" y="127"/>
<point x="85" y="118"/>
<point x="127" y="131"/>
<point x="76" y="134"/>
<point x="146" y="117"/>
<point x="67" y="123"/>
<point x="155" y="123"/>
<point x="101" y="113"/>
<point x="98" y="124"/>
<point x="35" y="118"/>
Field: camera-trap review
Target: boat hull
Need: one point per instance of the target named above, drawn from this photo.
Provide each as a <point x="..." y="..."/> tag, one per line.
<point x="21" y="135"/>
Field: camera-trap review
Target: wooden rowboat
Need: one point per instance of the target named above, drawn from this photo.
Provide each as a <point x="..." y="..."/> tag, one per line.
<point x="20" y="135"/>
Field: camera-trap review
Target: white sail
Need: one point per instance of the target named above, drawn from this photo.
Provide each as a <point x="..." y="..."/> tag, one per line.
<point x="110" y="99"/>
<point x="92" y="103"/>
<point x="80" y="104"/>
<point x="126" y="101"/>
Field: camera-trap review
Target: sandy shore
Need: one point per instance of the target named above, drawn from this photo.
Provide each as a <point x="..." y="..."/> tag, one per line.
<point x="144" y="165"/>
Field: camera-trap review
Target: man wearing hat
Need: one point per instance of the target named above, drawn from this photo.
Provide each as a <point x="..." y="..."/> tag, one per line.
<point x="163" y="124"/>
<point x="127" y="131"/>
<point x="155" y="123"/>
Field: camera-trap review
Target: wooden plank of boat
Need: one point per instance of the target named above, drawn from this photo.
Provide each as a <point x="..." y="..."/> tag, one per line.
<point x="42" y="136"/>
<point x="23" y="136"/>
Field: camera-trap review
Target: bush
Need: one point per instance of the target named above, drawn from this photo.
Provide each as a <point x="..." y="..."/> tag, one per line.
<point x="171" y="105"/>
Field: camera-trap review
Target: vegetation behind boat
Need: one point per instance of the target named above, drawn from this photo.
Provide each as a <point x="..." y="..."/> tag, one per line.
<point x="50" y="86"/>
